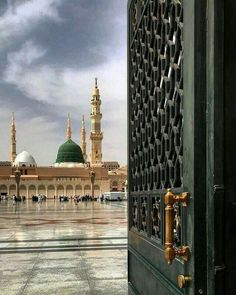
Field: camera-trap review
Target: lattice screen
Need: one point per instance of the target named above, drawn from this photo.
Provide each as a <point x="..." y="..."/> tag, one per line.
<point x="155" y="106"/>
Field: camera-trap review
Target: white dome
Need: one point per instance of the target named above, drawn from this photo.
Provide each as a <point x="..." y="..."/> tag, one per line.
<point x="24" y="159"/>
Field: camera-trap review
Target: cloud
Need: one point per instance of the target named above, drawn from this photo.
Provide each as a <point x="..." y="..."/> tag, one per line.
<point x="58" y="48"/>
<point x="66" y="87"/>
<point x="40" y="136"/>
<point x="71" y="89"/>
<point x="21" y="17"/>
<point x="26" y="56"/>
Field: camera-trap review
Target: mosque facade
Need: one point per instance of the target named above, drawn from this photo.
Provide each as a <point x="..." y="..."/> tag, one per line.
<point x="72" y="173"/>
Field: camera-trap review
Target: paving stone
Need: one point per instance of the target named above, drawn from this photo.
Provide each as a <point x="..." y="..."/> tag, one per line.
<point x="56" y="233"/>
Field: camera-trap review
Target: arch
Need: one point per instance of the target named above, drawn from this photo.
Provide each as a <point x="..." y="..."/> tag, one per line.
<point x="87" y="189"/>
<point x="42" y="190"/>
<point x="96" y="190"/>
<point x="51" y="191"/>
<point x="23" y="190"/>
<point x="78" y="190"/>
<point x="114" y="186"/>
<point x="12" y="190"/>
<point x="3" y="189"/>
<point x="69" y="190"/>
<point x="60" y="190"/>
<point x="31" y="190"/>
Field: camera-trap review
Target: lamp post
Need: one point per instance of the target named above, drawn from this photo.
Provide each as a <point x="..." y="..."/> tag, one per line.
<point x="92" y="177"/>
<point x="17" y="178"/>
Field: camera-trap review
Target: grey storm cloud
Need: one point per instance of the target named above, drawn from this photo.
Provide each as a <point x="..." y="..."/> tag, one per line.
<point x="89" y="31"/>
<point x="50" y="52"/>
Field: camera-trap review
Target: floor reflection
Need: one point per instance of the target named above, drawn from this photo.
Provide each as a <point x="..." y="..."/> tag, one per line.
<point x="63" y="248"/>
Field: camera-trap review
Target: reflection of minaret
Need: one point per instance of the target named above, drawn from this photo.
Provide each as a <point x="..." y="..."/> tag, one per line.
<point x="68" y="130"/>
<point x="83" y="140"/>
<point x="96" y="135"/>
<point x="13" y="139"/>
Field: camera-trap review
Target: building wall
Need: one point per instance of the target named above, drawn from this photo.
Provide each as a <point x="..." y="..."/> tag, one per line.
<point x="52" y="181"/>
<point x="54" y="188"/>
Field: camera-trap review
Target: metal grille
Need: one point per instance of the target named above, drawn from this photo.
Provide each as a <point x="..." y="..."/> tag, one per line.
<point x="155" y="105"/>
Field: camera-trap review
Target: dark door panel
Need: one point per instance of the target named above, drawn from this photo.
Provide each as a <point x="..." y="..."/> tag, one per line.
<point x="167" y="144"/>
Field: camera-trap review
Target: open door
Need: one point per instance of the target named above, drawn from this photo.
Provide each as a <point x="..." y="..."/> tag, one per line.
<point x="167" y="147"/>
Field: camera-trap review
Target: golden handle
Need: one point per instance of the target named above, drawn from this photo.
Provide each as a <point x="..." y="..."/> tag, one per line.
<point x="170" y="251"/>
<point x="183" y="281"/>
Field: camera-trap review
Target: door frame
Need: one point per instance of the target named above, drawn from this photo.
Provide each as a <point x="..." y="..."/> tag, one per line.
<point x="194" y="134"/>
<point x="221" y="146"/>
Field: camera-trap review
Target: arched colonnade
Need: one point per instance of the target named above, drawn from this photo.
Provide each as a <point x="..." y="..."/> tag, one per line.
<point x="50" y="190"/>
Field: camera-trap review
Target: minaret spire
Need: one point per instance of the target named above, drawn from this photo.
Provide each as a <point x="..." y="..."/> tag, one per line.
<point x="83" y="139"/>
<point x="96" y="135"/>
<point x="83" y="121"/>
<point x="96" y="90"/>
<point x="68" y="131"/>
<point x="13" y="139"/>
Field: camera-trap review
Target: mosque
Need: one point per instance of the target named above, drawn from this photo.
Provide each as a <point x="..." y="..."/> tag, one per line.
<point x="72" y="173"/>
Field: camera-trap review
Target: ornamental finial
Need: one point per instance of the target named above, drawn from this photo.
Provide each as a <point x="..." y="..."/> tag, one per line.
<point x="68" y="131"/>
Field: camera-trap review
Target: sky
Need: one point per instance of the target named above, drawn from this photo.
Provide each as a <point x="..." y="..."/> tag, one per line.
<point x="50" y="53"/>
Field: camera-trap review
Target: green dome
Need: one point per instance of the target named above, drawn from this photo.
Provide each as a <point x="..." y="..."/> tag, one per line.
<point x="70" y="152"/>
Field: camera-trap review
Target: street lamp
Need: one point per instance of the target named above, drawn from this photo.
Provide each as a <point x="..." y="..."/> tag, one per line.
<point x="17" y="178"/>
<point x="92" y="177"/>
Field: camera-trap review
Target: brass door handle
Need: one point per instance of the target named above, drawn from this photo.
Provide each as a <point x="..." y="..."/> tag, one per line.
<point x="170" y="251"/>
<point x="183" y="281"/>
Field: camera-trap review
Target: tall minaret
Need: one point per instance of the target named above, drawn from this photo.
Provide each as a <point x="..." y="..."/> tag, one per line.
<point x="13" y="139"/>
<point x="68" y="130"/>
<point x="83" y="140"/>
<point x="96" y="135"/>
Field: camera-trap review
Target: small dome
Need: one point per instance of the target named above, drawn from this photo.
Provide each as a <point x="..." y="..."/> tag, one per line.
<point x="69" y="152"/>
<point x="24" y="159"/>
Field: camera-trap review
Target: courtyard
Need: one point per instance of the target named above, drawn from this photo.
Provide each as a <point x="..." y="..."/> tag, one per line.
<point x="63" y="248"/>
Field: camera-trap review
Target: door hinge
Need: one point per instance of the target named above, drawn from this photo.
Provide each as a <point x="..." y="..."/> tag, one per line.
<point x="219" y="268"/>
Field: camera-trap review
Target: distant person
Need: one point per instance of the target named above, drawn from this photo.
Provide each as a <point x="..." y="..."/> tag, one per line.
<point x="14" y="199"/>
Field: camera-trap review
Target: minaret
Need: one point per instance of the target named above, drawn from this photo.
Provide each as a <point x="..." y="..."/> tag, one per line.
<point x="83" y="140"/>
<point x="68" y="130"/>
<point x="13" y="139"/>
<point x="96" y="135"/>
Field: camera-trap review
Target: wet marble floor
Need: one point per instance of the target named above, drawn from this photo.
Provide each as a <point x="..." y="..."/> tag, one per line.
<point x="63" y="248"/>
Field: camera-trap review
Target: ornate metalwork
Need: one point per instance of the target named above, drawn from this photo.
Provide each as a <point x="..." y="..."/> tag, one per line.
<point x="177" y="225"/>
<point x="156" y="92"/>
<point x="136" y="10"/>
<point x="156" y="217"/>
<point x="155" y="109"/>
<point x="143" y="214"/>
<point x="135" y="212"/>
